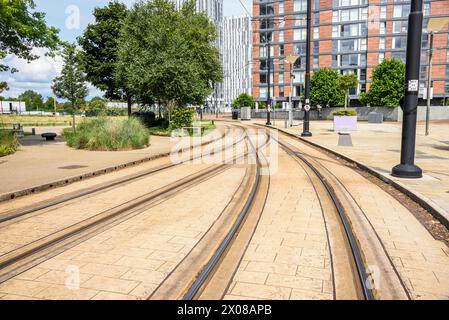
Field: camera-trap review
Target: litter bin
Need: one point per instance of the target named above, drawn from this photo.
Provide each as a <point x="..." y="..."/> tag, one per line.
<point x="235" y="115"/>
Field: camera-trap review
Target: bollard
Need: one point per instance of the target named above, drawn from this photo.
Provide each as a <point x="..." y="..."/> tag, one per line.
<point x="33" y="131"/>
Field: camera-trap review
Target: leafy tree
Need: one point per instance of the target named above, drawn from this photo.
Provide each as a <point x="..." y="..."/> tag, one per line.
<point x="99" y="44"/>
<point x="22" y="29"/>
<point x="325" y="89"/>
<point x="387" y="86"/>
<point x="71" y="84"/>
<point x="243" y="100"/>
<point x="32" y="99"/>
<point x="175" y="60"/>
<point x="347" y="82"/>
<point x="49" y="104"/>
<point x="3" y="86"/>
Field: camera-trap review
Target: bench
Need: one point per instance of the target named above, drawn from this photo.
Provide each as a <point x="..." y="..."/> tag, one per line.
<point x="49" y="136"/>
<point x="15" y="127"/>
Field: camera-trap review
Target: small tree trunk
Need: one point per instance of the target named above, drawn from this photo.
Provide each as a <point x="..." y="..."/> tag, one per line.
<point x="346" y="100"/>
<point x="129" y="100"/>
<point x="73" y="117"/>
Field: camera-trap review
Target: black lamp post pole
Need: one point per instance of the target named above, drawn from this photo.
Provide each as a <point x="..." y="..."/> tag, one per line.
<point x="306" y="128"/>
<point x="269" y="83"/>
<point x="407" y="168"/>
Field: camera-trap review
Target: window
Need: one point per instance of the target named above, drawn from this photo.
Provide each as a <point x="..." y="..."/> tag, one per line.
<point x="281" y="7"/>
<point x="281" y="50"/>
<point x="383" y="12"/>
<point x="348" y="45"/>
<point x="281" y="36"/>
<point x="263" y="78"/>
<point x="401" y="10"/>
<point x="381" y="43"/>
<point x="299" y="34"/>
<point x="263" y="93"/>
<point x="266" y="9"/>
<point x="362" y="45"/>
<point x="281" y="78"/>
<point x="382" y="27"/>
<point x="300" y="20"/>
<point x="300" y="5"/>
<point x="349" y="60"/>
<point x="399" y="43"/>
<point x="300" y="48"/>
<point x="316" y="33"/>
<point x="263" y="52"/>
<point x="400" y="26"/>
<point x="381" y="57"/>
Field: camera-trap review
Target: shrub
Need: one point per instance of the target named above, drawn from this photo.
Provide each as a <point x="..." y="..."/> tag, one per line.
<point x="387" y="87"/>
<point x="181" y="117"/>
<point x="8" y="143"/>
<point x="345" y="112"/>
<point x="325" y="88"/>
<point x="108" y="135"/>
<point x="243" y="100"/>
<point x="148" y="118"/>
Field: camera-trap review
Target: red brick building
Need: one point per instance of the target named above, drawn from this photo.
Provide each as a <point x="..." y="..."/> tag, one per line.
<point x="348" y="36"/>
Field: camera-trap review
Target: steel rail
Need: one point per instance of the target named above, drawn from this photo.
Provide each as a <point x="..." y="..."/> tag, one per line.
<point x="16" y="215"/>
<point x="214" y="261"/>
<point x="355" y="250"/>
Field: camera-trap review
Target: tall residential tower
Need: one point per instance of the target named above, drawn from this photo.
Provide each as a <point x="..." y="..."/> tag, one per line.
<point x="348" y="36"/>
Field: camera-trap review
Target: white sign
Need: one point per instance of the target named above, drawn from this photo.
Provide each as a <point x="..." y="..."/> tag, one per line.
<point x="307" y="107"/>
<point x="425" y="93"/>
<point x="413" y="85"/>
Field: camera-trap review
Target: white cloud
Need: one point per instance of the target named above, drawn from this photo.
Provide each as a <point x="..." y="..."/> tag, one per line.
<point x="37" y="75"/>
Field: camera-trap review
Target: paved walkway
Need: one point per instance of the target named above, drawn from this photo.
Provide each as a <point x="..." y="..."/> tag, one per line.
<point x="378" y="146"/>
<point x="40" y="162"/>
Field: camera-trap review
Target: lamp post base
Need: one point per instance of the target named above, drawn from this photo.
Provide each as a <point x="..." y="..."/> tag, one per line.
<point x="268" y="123"/>
<point x="306" y="134"/>
<point x="407" y="171"/>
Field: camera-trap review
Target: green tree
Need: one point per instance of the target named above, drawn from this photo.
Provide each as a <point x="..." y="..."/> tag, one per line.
<point x="99" y="44"/>
<point x="71" y="84"/>
<point x="32" y="99"/>
<point x="175" y="60"/>
<point x="347" y="82"/>
<point x="3" y="86"/>
<point x="49" y="104"/>
<point x="325" y="89"/>
<point x="387" y="86"/>
<point x="22" y="29"/>
<point x="244" y="100"/>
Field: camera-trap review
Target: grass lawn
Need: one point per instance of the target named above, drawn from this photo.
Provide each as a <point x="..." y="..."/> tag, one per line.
<point x="108" y="134"/>
<point x="42" y="121"/>
<point x="8" y="143"/>
<point x="166" y="132"/>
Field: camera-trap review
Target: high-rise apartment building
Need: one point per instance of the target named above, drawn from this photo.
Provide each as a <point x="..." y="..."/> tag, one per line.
<point x="348" y="36"/>
<point x="237" y="58"/>
<point x="214" y="10"/>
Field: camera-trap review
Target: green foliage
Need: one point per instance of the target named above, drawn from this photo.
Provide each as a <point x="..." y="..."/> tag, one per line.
<point x="347" y="82"/>
<point x="99" y="49"/>
<point x="345" y="112"/>
<point x="387" y="86"/>
<point x="22" y="29"/>
<point x="325" y="88"/>
<point x="49" y="104"/>
<point x="8" y="143"/>
<point x="108" y="135"/>
<point x="181" y="117"/>
<point x="71" y="84"/>
<point x="3" y="86"/>
<point x="32" y="99"/>
<point x="243" y="100"/>
<point x="169" y="55"/>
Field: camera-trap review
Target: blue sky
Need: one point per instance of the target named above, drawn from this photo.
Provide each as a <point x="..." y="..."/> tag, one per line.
<point x="39" y="74"/>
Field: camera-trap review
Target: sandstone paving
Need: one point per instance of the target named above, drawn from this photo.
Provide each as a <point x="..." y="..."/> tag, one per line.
<point x="420" y="259"/>
<point x="123" y="264"/>
<point x="284" y="260"/>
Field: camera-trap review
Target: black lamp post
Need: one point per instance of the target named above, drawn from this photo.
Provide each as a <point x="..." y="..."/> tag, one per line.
<point x="306" y="128"/>
<point x="269" y="82"/>
<point x="407" y="167"/>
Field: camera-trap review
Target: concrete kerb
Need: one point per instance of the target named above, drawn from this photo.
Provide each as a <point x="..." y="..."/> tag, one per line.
<point x="66" y="181"/>
<point x="426" y="203"/>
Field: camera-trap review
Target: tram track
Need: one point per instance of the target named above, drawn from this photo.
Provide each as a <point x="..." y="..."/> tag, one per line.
<point x="362" y="241"/>
<point x="15" y="214"/>
<point x="35" y="252"/>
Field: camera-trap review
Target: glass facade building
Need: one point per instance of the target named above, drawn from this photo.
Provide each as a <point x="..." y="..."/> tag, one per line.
<point x="351" y="36"/>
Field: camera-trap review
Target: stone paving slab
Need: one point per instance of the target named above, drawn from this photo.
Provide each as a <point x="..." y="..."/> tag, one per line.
<point x="378" y="147"/>
<point x="123" y="264"/>
<point x="39" y="162"/>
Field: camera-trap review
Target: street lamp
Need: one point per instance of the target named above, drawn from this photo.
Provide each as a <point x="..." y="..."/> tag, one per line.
<point x="293" y="60"/>
<point x="407" y="167"/>
<point x="269" y="82"/>
<point x="434" y="25"/>
<point x="306" y="128"/>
